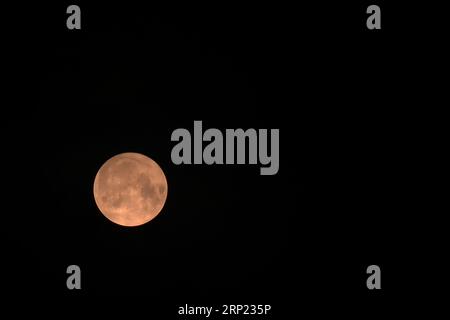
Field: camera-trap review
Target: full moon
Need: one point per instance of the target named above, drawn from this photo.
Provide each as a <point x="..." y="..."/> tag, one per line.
<point x="130" y="189"/>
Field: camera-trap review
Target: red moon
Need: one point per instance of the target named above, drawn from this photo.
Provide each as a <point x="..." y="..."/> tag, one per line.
<point x="130" y="189"/>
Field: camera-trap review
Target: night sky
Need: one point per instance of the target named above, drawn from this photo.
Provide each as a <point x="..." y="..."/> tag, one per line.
<point x="226" y="234"/>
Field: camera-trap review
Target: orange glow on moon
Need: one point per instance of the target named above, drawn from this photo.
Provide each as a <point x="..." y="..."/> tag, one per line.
<point x="130" y="189"/>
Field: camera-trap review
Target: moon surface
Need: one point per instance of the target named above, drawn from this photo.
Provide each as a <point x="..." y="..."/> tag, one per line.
<point x="130" y="189"/>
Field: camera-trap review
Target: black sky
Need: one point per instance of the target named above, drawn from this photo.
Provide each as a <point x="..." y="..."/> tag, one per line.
<point x="133" y="74"/>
